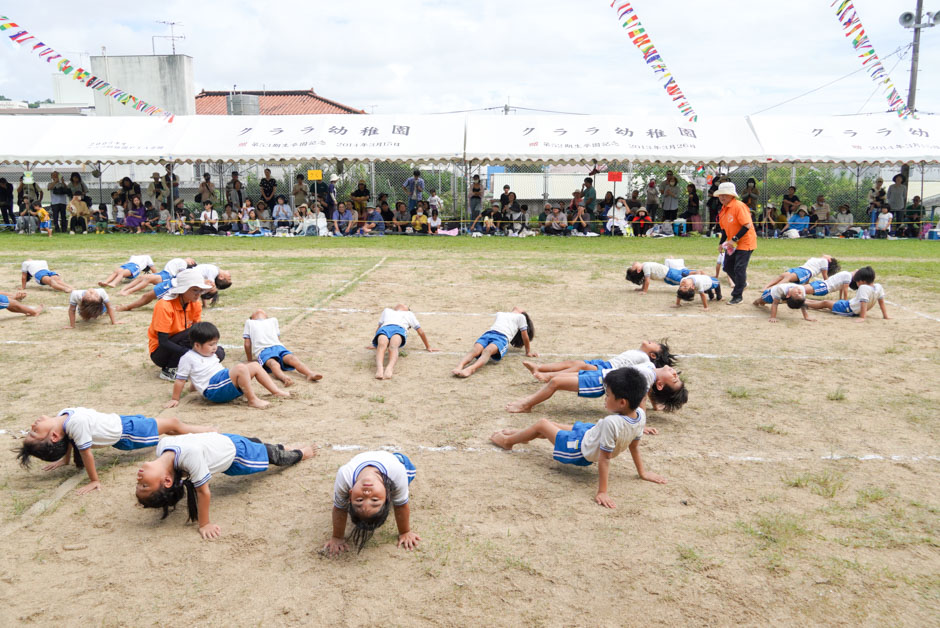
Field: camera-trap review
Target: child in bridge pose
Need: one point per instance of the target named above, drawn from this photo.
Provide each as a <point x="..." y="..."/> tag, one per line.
<point x="263" y="344"/>
<point x="391" y="335"/>
<point x="130" y="269"/>
<point x="510" y="328"/>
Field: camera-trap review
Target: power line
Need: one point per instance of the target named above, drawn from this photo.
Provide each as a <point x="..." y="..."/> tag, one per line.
<point x="875" y="91"/>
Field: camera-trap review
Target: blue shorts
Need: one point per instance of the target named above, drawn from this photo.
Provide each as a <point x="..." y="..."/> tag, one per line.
<point x="590" y="384"/>
<point x="599" y="364"/>
<point x="250" y="457"/>
<point x="45" y="224"/>
<point x="568" y="445"/>
<point x="765" y="296"/>
<point x="164" y="275"/>
<point x="674" y="276"/>
<point x="820" y="288"/>
<point x="388" y="331"/>
<point x="42" y="274"/>
<point x="494" y="338"/>
<point x="842" y="308"/>
<point x="137" y="432"/>
<point x="802" y="274"/>
<point x="277" y="352"/>
<point x="221" y="388"/>
<point x="4" y="302"/>
<point x="134" y="268"/>
<point x="409" y="465"/>
<point x="162" y="288"/>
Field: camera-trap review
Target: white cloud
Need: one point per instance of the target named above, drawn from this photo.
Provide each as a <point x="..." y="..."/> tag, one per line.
<point x="730" y="57"/>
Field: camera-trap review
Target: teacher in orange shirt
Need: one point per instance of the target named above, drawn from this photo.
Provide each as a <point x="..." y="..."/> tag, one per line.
<point x="738" y="238"/>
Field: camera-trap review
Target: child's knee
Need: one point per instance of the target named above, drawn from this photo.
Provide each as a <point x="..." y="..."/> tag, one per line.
<point x="258" y="315"/>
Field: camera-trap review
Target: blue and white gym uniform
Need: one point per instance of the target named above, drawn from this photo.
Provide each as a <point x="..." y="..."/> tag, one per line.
<point x="37" y="269"/>
<point x="137" y="263"/>
<point x="265" y="337"/>
<point x="396" y="466"/>
<point x="778" y="292"/>
<point x="174" y="267"/>
<point x="582" y="444"/>
<point x="395" y="323"/>
<point x="810" y="268"/>
<point x="821" y="288"/>
<point x="853" y="307"/>
<point x="504" y="329"/>
<point x="208" y="377"/>
<point x="591" y="383"/>
<point x="704" y="283"/>
<point x="199" y="456"/>
<point x="162" y="289"/>
<point x="76" y="296"/>
<point x="4" y="301"/>
<point x="90" y="428"/>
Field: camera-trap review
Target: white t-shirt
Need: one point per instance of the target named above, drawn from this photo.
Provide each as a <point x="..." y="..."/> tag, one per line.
<point x="209" y="271"/>
<point x="841" y="278"/>
<point x="75" y="297"/>
<point x="385" y="462"/>
<point x="263" y="333"/>
<point x="142" y="261"/>
<point x="435" y="202"/>
<point x="884" y="221"/>
<point x="816" y="265"/>
<point x="647" y="369"/>
<point x="612" y="434"/>
<point x="90" y="428"/>
<point x="509" y="323"/>
<point x="654" y="270"/>
<point x="175" y="266"/>
<point x="405" y="319"/>
<point x="210" y="216"/>
<point x="629" y="358"/>
<point x="198" y="369"/>
<point x="779" y="291"/>
<point x="198" y="456"/>
<point x="702" y="283"/>
<point x="434" y="222"/>
<point x="33" y="266"/>
<point x="866" y="294"/>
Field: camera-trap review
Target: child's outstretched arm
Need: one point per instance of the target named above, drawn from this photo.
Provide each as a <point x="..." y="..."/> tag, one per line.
<point x="111" y="313"/>
<point x="773" y="310"/>
<point x="884" y="310"/>
<point x="406" y="538"/>
<point x="248" y="349"/>
<point x="23" y="281"/>
<point x="178" y="386"/>
<point x="206" y="529"/>
<point x="646" y="285"/>
<point x="704" y="300"/>
<point x="603" y="472"/>
<point x="71" y="324"/>
<point x="61" y="462"/>
<point x="424" y="339"/>
<point x="678" y="302"/>
<point x="806" y="317"/>
<point x="863" y="309"/>
<point x="88" y="459"/>
<point x="643" y="473"/>
<point x="337" y="543"/>
<point x="528" y="348"/>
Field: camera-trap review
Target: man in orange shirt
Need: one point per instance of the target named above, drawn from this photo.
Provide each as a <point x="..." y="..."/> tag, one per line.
<point x="738" y="239"/>
<point x="168" y="334"/>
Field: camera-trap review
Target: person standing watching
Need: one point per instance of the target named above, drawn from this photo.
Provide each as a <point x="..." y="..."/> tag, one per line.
<point x="206" y="189"/>
<point x="268" y="186"/>
<point x="738" y="239"/>
<point x="60" y="198"/>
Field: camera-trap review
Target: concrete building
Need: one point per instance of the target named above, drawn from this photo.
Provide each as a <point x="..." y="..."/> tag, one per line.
<point x="162" y="80"/>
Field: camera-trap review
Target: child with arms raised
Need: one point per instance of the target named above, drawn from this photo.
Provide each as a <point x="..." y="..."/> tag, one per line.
<point x="263" y="344"/>
<point x="366" y="488"/>
<point x="657" y="352"/>
<point x="391" y="335"/>
<point x="130" y="269"/>
<point x="78" y="430"/>
<point x="201" y="367"/>
<point x="510" y="328"/>
<point x="38" y="269"/>
<point x="187" y="463"/>
<point x="90" y="304"/>
<point x="11" y="301"/>
<point x="583" y="444"/>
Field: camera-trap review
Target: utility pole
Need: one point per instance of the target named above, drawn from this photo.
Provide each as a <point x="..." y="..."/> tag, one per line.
<point x="916" y="24"/>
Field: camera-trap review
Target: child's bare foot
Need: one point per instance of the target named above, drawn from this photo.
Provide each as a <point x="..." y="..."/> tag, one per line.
<point x="281" y="393"/>
<point x="309" y="451"/>
<point x="379" y="374"/>
<point x="500" y="439"/>
<point x="287" y="381"/>
<point x="314" y="377"/>
<point x="39" y="309"/>
<point x="463" y="373"/>
<point x="259" y="403"/>
<point x="456" y="372"/>
<point x="542" y="377"/>
<point x="104" y="284"/>
<point x="389" y="372"/>
<point x="517" y="406"/>
<point x="533" y="368"/>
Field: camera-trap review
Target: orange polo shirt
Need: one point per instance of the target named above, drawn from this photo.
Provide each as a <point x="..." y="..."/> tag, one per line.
<point x="733" y="216"/>
<point x="169" y="317"/>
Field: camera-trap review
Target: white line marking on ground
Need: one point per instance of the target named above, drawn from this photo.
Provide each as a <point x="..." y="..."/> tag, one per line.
<point x="352" y="282"/>
<point x="921" y="314"/>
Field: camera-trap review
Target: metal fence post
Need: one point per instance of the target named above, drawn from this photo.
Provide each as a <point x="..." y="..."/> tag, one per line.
<point x="372" y="194"/>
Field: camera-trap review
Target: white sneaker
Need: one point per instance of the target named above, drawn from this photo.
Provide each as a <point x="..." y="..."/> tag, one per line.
<point x="71" y="233"/>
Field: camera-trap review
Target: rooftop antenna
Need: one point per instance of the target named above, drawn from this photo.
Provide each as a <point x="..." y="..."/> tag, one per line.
<point x="172" y="36"/>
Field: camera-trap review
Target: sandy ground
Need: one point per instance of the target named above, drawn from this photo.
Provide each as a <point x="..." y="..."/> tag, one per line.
<point x="802" y="473"/>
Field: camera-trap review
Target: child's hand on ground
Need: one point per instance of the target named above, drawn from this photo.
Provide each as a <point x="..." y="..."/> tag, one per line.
<point x="335" y="546"/>
<point x="773" y="320"/>
<point x="650" y="430"/>
<point x="652" y="477"/>
<point x="532" y="354"/>
<point x="640" y="290"/>
<point x="91" y="486"/>
<point x="69" y="327"/>
<point x="210" y="531"/>
<point x="56" y="464"/>
<point x="676" y="305"/>
<point x="433" y="349"/>
<point x="408" y="540"/>
<point x="604" y="500"/>
<point x="172" y="403"/>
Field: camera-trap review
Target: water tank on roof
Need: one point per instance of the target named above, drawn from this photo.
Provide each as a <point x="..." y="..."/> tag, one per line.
<point x="242" y="104"/>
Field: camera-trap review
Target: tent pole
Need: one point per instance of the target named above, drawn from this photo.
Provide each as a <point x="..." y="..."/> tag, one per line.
<point x="100" y="193"/>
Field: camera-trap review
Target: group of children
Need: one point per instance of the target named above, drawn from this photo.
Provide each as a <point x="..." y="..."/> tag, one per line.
<point x="674" y="273"/>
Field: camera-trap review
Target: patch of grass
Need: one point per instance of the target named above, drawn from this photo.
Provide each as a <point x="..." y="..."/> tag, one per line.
<point x="693" y="559"/>
<point x="836" y="395"/>
<point x="522" y="565"/>
<point x="771" y="429"/>
<point x="377" y="399"/>
<point x="869" y="495"/>
<point x="778" y="529"/>
<point x="826" y="483"/>
<point x="738" y="392"/>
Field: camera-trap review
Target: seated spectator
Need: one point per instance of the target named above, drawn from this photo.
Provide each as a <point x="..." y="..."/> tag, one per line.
<point x="135" y="214"/>
<point x="813" y="224"/>
<point x="304" y="225"/>
<point x="558" y="223"/>
<point x="165" y="221"/>
<point x="79" y="213"/>
<point x="633" y="203"/>
<point x="341" y="219"/>
<point x="387" y="214"/>
<point x="843" y="220"/>
<point x="28" y="220"/>
<point x="354" y="221"/>
<point x="799" y="222"/>
<point x="373" y="224"/>
<point x="128" y="190"/>
<point x="641" y="222"/>
<point x="209" y="219"/>
<point x="484" y="221"/>
<point x="545" y="217"/>
<point x="913" y="217"/>
<point x="577" y="221"/>
<point x="402" y="219"/>
<point x="821" y="210"/>
<point x="617" y="223"/>
<point x="419" y="222"/>
<point x="360" y="198"/>
<point x="434" y="222"/>
<point x="151" y="218"/>
<point x="229" y="221"/>
<point x="100" y="216"/>
<point x="183" y="216"/>
<point x="282" y="214"/>
<point x="791" y="202"/>
<point x="252" y="225"/>
<point x="319" y="219"/>
<point x="264" y="215"/>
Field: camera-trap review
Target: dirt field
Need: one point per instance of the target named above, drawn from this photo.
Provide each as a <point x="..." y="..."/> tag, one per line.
<point x="802" y="475"/>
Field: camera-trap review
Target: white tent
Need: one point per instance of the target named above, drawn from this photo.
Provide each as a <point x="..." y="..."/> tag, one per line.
<point x="583" y="139"/>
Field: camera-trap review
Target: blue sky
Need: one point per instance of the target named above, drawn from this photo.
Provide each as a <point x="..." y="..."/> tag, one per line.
<point x="730" y="57"/>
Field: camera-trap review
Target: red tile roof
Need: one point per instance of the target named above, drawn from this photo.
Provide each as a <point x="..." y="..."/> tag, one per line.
<point x="274" y="103"/>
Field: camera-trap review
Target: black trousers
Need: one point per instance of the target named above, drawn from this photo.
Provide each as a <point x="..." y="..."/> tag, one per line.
<point x="736" y="267"/>
<point x="165" y="357"/>
<point x="59" y="219"/>
<point x="77" y="223"/>
<point x="9" y="216"/>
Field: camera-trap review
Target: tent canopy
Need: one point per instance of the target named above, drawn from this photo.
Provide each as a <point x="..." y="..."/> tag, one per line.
<point x="877" y="139"/>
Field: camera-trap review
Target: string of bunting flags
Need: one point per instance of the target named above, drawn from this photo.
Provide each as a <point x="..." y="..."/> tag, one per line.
<point x="23" y="37"/>
<point x="641" y="39"/>
<point x="852" y="25"/>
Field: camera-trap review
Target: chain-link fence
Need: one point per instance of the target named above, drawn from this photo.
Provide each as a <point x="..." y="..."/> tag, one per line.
<point x="386" y="185"/>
